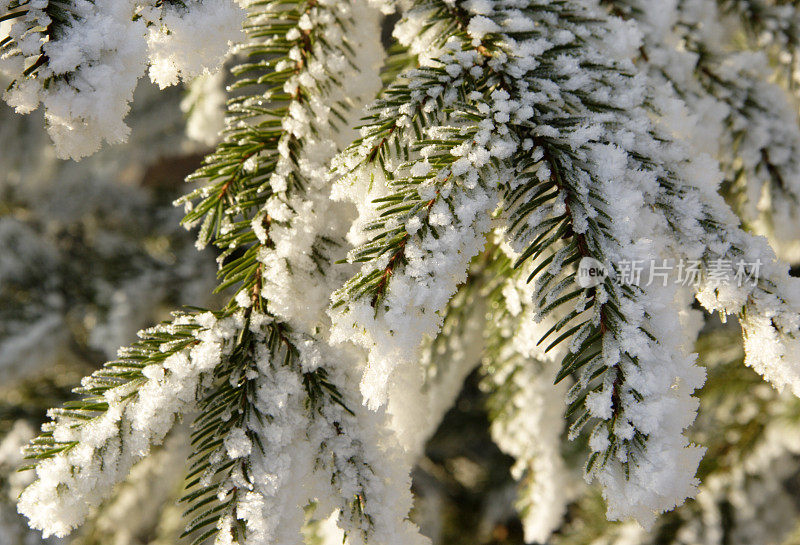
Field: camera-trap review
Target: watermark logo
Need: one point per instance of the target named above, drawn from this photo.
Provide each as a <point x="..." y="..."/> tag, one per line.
<point x="591" y="272"/>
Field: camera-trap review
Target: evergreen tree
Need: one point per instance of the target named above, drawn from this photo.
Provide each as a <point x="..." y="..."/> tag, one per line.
<point x="542" y="192"/>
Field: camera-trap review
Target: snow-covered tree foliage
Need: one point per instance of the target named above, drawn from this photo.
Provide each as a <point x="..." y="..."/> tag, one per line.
<point x="544" y="190"/>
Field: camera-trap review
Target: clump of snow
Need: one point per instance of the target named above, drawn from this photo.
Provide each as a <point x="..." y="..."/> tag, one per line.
<point x="204" y="106"/>
<point x="95" y="59"/>
<point x="175" y="51"/>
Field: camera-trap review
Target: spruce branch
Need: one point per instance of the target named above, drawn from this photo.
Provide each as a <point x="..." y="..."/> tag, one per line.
<point x="759" y="129"/>
<point x="110" y="427"/>
<point x="434" y="164"/>
<point x="602" y="313"/>
<point x="238" y="439"/>
<point x="548" y="129"/>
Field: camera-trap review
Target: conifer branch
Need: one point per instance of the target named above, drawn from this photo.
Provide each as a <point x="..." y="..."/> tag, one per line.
<point x="760" y="129"/>
<point x="549" y="130"/>
<point x="257" y="165"/>
<point x="600" y="313"/>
